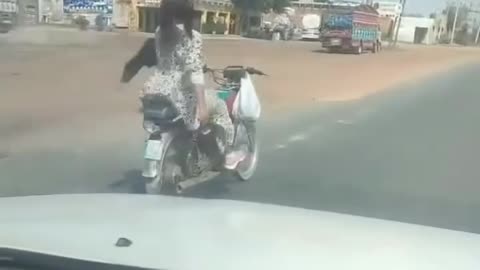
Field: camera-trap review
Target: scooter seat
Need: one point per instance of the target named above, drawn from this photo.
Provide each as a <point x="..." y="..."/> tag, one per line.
<point x="158" y="109"/>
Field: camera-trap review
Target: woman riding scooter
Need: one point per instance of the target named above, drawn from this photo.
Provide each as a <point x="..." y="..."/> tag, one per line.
<point x="179" y="73"/>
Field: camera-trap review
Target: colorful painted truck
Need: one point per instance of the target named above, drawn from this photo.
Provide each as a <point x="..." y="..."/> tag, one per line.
<point x="352" y="28"/>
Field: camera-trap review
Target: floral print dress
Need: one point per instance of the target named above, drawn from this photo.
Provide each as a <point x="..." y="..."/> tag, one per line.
<point x="174" y="78"/>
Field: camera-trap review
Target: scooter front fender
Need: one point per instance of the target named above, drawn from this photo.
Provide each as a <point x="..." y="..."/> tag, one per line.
<point x="153" y="166"/>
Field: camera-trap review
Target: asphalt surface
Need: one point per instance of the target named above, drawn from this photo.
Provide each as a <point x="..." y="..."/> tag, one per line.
<point x="410" y="154"/>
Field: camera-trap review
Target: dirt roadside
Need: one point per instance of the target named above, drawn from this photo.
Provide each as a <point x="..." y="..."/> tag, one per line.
<point x="62" y="76"/>
<point x="302" y="74"/>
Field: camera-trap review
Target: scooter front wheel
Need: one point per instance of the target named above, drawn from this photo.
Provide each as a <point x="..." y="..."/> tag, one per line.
<point x="164" y="183"/>
<point x="247" y="168"/>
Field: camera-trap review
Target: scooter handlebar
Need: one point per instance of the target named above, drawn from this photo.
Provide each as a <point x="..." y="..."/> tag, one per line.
<point x="255" y="71"/>
<point x="250" y="70"/>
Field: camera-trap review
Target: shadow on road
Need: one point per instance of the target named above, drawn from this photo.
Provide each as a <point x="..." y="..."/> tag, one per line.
<point x="218" y="188"/>
<point x="323" y="51"/>
<point x="130" y="183"/>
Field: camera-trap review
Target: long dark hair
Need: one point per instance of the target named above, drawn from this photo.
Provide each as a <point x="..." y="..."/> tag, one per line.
<point x="170" y="13"/>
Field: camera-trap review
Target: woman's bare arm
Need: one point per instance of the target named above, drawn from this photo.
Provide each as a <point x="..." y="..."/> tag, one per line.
<point x="195" y="64"/>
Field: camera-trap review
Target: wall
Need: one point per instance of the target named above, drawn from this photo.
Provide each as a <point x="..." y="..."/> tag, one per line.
<point x="143" y="16"/>
<point x="9" y="6"/>
<point x="121" y="13"/>
<point x="407" y="29"/>
<point x="387" y="27"/>
<point x="51" y="11"/>
<point x="28" y="11"/>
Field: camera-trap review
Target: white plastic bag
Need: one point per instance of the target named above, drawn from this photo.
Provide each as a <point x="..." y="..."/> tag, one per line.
<point x="247" y="105"/>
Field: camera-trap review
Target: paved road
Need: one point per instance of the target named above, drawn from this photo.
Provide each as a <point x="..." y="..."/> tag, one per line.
<point x="409" y="155"/>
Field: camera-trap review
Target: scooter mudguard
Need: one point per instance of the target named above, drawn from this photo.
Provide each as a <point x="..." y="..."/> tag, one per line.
<point x="155" y="152"/>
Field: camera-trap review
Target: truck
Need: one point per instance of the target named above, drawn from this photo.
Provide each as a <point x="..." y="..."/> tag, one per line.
<point x="8" y="15"/>
<point x="352" y="28"/>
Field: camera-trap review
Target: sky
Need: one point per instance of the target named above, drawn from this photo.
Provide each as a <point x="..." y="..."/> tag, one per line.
<point x="424" y="7"/>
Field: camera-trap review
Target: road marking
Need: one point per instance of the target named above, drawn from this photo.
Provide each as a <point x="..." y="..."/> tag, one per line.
<point x="344" y="122"/>
<point x="280" y="146"/>
<point x="297" y="138"/>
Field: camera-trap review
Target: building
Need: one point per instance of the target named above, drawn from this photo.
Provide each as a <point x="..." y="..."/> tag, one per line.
<point x="417" y="30"/>
<point x="390" y="12"/>
<point x="121" y="14"/>
<point x="51" y="11"/>
<point x="324" y="3"/>
<point x="217" y="17"/>
<point x="212" y="16"/>
<point x="90" y="10"/>
<point x="29" y="12"/>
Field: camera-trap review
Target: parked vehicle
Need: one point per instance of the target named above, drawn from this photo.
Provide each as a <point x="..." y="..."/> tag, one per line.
<point x="354" y="28"/>
<point x="311" y="27"/>
<point x="8" y="15"/>
<point x="178" y="158"/>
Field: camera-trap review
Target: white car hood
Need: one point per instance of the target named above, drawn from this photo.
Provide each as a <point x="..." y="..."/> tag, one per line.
<point x="193" y="234"/>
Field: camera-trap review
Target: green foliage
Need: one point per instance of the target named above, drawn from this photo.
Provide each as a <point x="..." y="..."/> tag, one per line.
<point x="279" y="5"/>
<point x="81" y="22"/>
<point x="462" y="16"/>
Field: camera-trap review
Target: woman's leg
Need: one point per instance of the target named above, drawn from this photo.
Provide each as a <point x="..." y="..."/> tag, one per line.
<point x="219" y="115"/>
<point x="188" y="111"/>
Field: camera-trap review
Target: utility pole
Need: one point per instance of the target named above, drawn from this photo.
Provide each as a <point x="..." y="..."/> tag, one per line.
<point x="478" y="35"/>
<point x="399" y="21"/>
<point x="478" y="25"/>
<point x="452" y="38"/>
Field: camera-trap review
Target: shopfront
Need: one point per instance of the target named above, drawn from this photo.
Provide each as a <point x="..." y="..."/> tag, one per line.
<point x="212" y="17"/>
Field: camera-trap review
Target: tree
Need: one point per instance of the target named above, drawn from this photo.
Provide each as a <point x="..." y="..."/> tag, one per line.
<point x="279" y="5"/>
<point x="251" y="5"/>
<point x="462" y="16"/>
